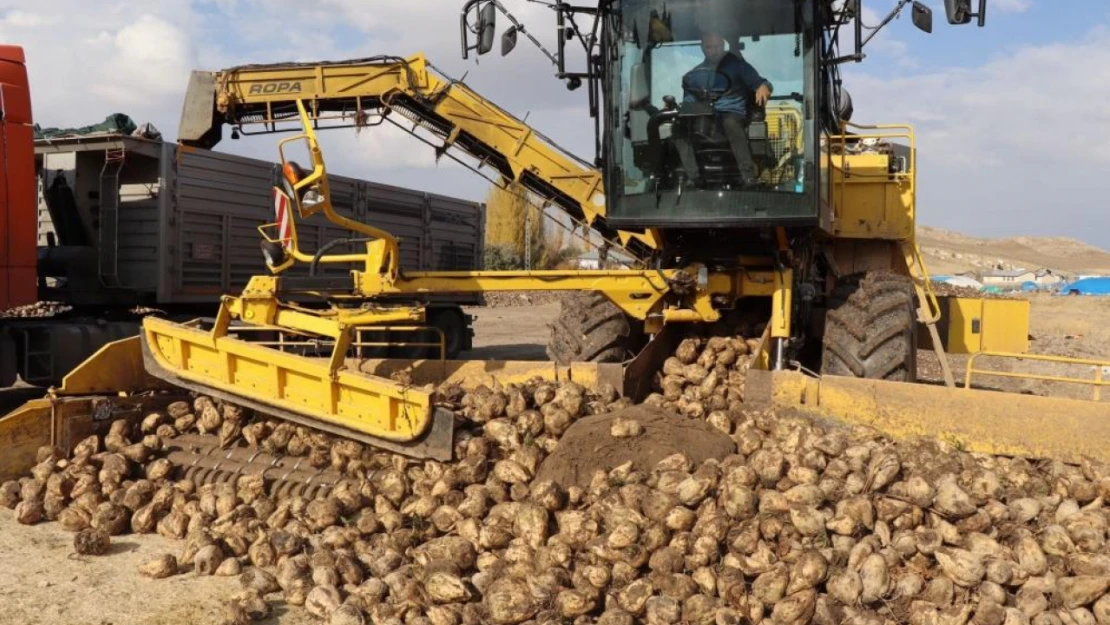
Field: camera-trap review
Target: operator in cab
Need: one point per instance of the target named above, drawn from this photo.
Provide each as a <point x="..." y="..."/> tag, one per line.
<point x="735" y="84"/>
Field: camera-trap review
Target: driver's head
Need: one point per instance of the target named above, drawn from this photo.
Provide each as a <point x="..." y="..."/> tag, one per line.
<point x="713" y="46"/>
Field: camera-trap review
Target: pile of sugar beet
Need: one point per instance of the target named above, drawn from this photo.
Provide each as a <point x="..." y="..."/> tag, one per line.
<point x="803" y="522"/>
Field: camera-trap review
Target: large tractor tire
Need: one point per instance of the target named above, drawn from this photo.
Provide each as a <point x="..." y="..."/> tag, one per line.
<point x="590" y="328"/>
<point x="871" y="328"/>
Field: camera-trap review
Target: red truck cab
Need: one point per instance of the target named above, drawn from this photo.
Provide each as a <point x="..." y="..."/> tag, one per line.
<point x="18" y="223"/>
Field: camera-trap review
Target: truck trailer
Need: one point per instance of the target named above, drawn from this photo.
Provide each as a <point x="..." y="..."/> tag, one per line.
<point x="125" y="227"/>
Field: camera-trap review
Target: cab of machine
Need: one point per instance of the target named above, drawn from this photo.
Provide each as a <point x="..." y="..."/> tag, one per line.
<point x="675" y="101"/>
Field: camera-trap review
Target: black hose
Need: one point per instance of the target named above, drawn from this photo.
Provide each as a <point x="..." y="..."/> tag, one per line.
<point x="327" y="246"/>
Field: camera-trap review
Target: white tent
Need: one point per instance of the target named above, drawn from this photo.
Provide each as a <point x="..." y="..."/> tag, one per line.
<point x="963" y="281"/>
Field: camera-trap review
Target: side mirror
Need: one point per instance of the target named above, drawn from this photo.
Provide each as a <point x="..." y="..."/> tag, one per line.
<point x="922" y="17"/>
<point x="639" y="92"/>
<point x="487" y="24"/>
<point x="508" y="40"/>
<point x="959" y="11"/>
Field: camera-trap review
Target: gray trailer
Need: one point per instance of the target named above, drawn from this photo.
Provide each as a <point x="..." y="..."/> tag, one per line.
<point x="127" y="223"/>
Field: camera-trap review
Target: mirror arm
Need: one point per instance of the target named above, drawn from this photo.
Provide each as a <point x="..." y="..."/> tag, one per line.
<point x="848" y="58"/>
<point x="560" y="36"/>
<point x="982" y="14"/>
<point x="536" y="42"/>
<point x="463" y="27"/>
<point x="893" y="14"/>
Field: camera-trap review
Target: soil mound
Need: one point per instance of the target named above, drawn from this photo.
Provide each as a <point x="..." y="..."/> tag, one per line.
<point x="589" y="446"/>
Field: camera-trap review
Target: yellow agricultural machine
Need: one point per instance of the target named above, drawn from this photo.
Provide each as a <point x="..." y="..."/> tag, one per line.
<point x="817" y="248"/>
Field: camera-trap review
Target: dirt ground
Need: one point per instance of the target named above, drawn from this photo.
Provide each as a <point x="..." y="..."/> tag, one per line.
<point x="43" y="582"/>
<point x="952" y="252"/>
<point x="511" y="333"/>
<point x="590" y="447"/>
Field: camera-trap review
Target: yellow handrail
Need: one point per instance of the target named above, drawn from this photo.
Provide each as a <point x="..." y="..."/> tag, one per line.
<point x="925" y="284"/>
<point x="1097" y="381"/>
<point x="357" y="343"/>
<point x="915" y="263"/>
<point x="881" y="131"/>
<point x="383" y="253"/>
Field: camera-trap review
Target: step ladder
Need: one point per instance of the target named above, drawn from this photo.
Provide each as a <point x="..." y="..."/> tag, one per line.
<point x="38" y="355"/>
<point x="108" y="248"/>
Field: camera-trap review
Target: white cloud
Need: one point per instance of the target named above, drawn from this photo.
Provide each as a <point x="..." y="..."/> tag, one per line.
<point x="1048" y="100"/>
<point x="146" y="59"/>
<point x="1014" y="146"/>
<point x="88" y="60"/>
<point x="1011" y="6"/>
<point x="24" y="19"/>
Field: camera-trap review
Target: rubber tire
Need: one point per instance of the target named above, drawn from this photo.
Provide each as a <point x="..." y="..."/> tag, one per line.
<point x="9" y="367"/>
<point x="871" y="328"/>
<point x="590" y="328"/>
<point x="450" y="321"/>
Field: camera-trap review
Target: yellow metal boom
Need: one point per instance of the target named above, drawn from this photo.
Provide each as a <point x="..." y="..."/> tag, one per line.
<point x="366" y="92"/>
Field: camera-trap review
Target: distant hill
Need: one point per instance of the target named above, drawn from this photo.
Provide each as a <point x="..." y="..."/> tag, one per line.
<point x="951" y="252"/>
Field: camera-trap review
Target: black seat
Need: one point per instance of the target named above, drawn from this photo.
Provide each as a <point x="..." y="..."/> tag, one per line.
<point x="711" y="146"/>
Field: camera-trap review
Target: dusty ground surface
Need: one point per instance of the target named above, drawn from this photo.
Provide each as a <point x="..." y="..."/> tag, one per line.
<point x="511" y="333"/>
<point x="42" y="582"/>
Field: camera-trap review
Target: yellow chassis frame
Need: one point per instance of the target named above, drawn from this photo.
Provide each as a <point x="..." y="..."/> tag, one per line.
<point x="324" y="390"/>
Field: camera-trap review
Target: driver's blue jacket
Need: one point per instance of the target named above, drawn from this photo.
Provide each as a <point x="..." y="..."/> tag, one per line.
<point x="733" y="77"/>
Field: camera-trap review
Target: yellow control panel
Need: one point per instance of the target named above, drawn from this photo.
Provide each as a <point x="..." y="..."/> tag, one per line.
<point x="970" y="325"/>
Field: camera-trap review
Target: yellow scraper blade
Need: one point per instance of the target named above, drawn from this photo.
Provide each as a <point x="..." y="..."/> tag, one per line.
<point x="983" y="421"/>
<point x="363" y="407"/>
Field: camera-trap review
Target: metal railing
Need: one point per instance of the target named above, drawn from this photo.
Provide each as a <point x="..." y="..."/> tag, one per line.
<point x="441" y="344"/>
<point x="1097" y="381"/>
<point x="886" y="133"/>
<point x="883" y="133"/>
<point x="358" y="343"/>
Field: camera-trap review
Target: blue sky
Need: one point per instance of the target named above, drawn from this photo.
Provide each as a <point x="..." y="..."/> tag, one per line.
<point x="1013" y="126"/>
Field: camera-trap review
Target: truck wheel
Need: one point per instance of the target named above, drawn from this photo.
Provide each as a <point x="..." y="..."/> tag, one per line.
<point x="871" y="328"/>
<point x="590" y="328"/>
<point x="451" y="322"/>
<point x="9" y="364"/>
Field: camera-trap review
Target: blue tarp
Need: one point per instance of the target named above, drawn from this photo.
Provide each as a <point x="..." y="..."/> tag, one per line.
<point x="1087" y="286"/>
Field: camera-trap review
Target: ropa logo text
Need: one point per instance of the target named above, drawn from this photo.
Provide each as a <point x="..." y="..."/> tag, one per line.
<point x="276" y="87"/>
